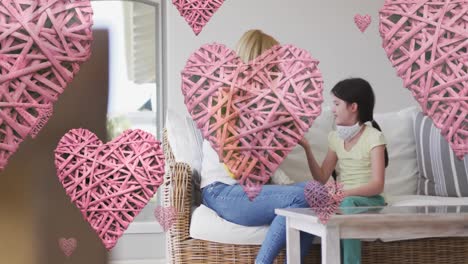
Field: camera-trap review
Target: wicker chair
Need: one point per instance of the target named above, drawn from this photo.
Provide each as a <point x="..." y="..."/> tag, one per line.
<point x="182" y="249"/>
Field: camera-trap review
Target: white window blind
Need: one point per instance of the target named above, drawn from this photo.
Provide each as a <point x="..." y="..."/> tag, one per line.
<point x="141" y="33"/>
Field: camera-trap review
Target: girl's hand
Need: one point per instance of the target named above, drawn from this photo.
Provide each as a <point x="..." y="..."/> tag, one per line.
<point x="304" y="143"/>
<point x="346" y="193"/>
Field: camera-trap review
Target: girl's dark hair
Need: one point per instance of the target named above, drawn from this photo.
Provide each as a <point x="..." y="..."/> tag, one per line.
<point x="359" y="91"/>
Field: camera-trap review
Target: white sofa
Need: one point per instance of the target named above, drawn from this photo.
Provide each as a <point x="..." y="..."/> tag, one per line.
<point x="400" y="181"/>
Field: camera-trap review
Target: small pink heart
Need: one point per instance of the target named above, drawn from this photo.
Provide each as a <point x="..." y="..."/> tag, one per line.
<point x="253" y="114"/>
<point x="166" y="216"/>
<point x="324" y="200"/>
<point x="68" y="245"/>
<point x="42" y="45"/>
<point x="197" y="13"/>
<point x="110" y="183"/>
<point x="362" y="22"/>
<point x="427" y="44"/>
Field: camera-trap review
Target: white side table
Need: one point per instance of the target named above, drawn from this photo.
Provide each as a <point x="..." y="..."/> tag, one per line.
<point x="405" y="222"/>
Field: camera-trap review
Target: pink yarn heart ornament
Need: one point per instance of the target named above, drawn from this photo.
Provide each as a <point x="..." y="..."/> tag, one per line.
<point x="42" y="44"/>
<point x="253" y="114"/>
<point x="166" y="216"/>
<point x="197" y="13"/>
<point x="324" y="200"/>
<point x="427" y="43"/>
<point x="68" y="245"/>
<point x="109" y="183"/>
<point x="362" y="22"/>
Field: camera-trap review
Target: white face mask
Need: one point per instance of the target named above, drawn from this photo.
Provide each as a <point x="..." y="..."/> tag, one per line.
<point x="347" y="132"/>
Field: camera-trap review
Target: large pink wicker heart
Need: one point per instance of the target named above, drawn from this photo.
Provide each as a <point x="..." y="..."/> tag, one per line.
<point x="197" y="12"/>
<point x="42" y="44"/>
<point x="252" y="114"/>
<point x="110" y="183"/>
<point x="427" y="43"/>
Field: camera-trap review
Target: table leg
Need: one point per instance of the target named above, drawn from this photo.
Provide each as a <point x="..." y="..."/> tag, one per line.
<point x="293" y="244"/>
<point x="331" y="245"/>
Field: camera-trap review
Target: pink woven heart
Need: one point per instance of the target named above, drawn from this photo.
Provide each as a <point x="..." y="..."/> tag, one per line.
<point x="68" y="245"/>
<point x="253" y="114"/>
<point x="197" y="12"/>
<point x="42" y="44"/>
<point x="362" y="22"/>
<point x="110" y="183"/>
<point x="166" y="216"/>
<point x="427" y="43"/>
<point x="324" y="200"/>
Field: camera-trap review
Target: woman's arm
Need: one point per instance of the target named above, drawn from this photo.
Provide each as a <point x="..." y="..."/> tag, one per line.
<point x="319" y="173"/>
<point x="376" y="184"/>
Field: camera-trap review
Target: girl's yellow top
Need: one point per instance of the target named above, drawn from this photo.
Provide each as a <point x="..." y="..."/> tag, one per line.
<point x="354" y="166"/>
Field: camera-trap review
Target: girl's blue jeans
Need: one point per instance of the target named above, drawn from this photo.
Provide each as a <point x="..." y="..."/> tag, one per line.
<point x="232" y="204"/>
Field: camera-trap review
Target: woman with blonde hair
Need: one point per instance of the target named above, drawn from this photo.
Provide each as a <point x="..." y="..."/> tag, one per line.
<point x="227" y="198"/>
<point x="253" y="43"/>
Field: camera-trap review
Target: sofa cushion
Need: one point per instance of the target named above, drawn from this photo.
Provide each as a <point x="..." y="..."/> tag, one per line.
<point x="441" y="172"/>
<point x="401" y="173"/>
<point x="185" y="139"/>
<point x="207" y="225"/>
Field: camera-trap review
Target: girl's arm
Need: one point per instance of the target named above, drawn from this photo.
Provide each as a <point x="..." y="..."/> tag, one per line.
<point x="376" y="184"/>
<point x="321" y="174"/>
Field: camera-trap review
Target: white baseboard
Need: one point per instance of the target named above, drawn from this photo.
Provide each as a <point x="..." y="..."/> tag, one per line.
<point x="139" y="261"/>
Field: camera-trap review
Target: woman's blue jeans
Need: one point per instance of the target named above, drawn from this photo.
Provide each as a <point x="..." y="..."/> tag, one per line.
<point x="232" y="204"/>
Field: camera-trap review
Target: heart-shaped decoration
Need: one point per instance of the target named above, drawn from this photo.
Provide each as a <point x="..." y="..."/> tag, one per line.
<point x="197" y="13"/>
<point x="42" y="44"/>
<point x="427" y="43"/>
<point x="362" y="22"/>
<point x="68" y="245"/>
<point x="166" y="216"/>
<point x="253" y="114"/>
<point x="324" y="200"/>
<point x="110" y="183"/>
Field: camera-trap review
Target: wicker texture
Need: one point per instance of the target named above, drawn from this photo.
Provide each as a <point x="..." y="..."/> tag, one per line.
<point x="324" y="199"/>
<point x="67" y="245"/>
<point x="110" y="183"/>
<point x="427" y="43"/>
<point x="182" y="249"/>
<point x="166" y="216"/>
<point x="252" y="114"/>
<point x="197" y="13"/>
<point x="42" y="45"/>
<point x="362" y="22"/>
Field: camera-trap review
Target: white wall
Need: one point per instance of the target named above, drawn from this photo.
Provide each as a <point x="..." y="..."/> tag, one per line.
<point x="324" y="27"/>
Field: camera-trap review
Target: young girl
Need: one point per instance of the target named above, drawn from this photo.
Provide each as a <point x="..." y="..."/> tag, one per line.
<point x="358" y="149"/>
<point x="225" y="196"/>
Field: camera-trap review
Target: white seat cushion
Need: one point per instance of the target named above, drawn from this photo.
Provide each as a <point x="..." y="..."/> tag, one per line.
<point x="207" y="225"/>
